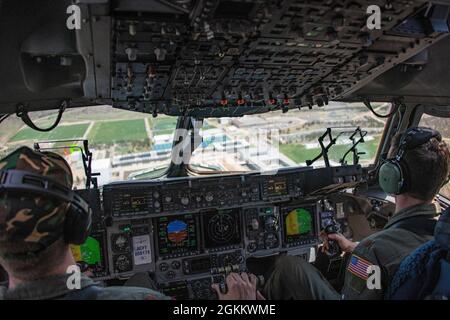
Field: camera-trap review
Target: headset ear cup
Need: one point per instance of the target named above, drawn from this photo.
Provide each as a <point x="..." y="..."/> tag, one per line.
<point x="77" y="225"/>
<point x="390" y="177"/>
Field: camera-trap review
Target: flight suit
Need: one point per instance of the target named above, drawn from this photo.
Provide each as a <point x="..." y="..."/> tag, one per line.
<point x="294" y="278"/>
<point x="55" y="288"/>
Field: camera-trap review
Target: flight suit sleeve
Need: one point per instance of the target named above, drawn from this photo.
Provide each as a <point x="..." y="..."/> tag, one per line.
<point x="365" y="276"/>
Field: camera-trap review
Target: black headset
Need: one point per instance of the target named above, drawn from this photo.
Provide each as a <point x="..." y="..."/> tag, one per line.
<point x="394" y="175"/>
<point x="79" y="216"/>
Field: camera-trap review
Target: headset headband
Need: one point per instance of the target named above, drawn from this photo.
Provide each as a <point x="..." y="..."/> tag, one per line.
<point x="415" y="137"/>
<point x="25" y="181"/>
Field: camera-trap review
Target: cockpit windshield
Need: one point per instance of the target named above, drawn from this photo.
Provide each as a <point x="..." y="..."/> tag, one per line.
<point x="124" y="144"/>
<point x="130" y="145"/>
<point x="276" y="139"/>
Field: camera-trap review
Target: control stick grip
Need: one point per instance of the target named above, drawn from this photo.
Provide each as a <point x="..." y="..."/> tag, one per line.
<point x="334" y="248"/>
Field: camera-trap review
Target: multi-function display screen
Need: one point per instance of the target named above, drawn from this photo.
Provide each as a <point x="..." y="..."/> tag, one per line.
<point x="275" y="187"/>
<point x="134" y="203"/>
<point x="177" y="235"/>
<point x="298" y="224"/>
<point x="92" y="254"/>
<point x="222" y="228"/>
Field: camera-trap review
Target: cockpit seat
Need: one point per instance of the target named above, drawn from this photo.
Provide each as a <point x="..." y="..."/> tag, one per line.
<point x="425" y="273"/>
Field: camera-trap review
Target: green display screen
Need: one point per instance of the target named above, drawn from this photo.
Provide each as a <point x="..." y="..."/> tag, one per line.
<point x="298" y="224"/>
<point x="89" y="252"/>
<point x="298" y="221"/>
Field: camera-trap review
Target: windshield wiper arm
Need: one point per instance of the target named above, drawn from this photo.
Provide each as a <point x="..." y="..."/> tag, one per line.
<point x="86" y="157"/>
<point x="325" y="149"/>
<point x="356" y="154"/>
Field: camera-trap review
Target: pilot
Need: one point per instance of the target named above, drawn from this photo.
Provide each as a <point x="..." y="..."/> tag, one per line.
<point x="417" y="168"/>
<point x="35" y="237"/>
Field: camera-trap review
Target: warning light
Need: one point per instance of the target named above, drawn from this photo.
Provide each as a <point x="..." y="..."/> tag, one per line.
<point x="240" y="101"/>
<point x="224" y="102"/>
<point x="286" y="101"/>
<point x="272" y="101"/>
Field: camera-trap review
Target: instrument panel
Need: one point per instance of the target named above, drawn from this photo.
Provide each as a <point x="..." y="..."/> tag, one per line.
<point x="191" y="232"/>
<point x="214" y="58"/>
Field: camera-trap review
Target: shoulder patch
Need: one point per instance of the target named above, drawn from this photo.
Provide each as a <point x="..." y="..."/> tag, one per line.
<point x="358" y="267"/>
<point x="357" y="276"/>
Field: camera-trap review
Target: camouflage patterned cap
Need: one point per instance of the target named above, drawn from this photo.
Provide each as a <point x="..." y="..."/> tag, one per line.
<point x="28" y="217"/>
<point x="48" y="164"/>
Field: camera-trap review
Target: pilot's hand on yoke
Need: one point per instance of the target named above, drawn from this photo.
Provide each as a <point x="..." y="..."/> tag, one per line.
<point x="240" y="287"/>
<point x="345" y="244"/>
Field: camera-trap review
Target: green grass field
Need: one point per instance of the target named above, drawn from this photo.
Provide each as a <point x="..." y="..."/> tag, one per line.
<point x="299" y="153"/>
<point x="118" y="131"/>
<point x="99" y="113"/>
<point x="164" y="124"/>
<point x="59" y="133"/>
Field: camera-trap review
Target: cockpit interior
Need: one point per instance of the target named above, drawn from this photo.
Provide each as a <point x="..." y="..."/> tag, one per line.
<point x="212" y="136"/>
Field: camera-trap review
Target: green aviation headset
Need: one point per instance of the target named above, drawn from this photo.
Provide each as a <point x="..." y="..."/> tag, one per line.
<point x="394" y="175"/>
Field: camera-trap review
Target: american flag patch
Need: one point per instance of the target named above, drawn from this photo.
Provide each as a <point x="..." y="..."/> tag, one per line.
<point x="358" y="267"/>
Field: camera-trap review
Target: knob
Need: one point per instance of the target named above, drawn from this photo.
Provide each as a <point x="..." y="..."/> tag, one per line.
<point x="156" y="204"/>
<point x="198" y="198"/>
<point x="255" y="224"/>
<point x="160" y="54"/>
<point x="209" y="197"/>
<point x="251" y="247"/>
<point x="156" y="194"/>
<point x="131" y="53"/>
<point x="270" y="223"/>
<point x="168" y="199"/>
<point x="132" y="29"/>
<point x="163" y="267"/>
<point x="185" y="201"/>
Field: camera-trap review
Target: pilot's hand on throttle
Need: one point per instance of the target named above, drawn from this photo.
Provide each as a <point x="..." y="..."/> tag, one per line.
<point x="240" y="287"/>
<point x="345" y="244"/>
<point x="254" y="282"/>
